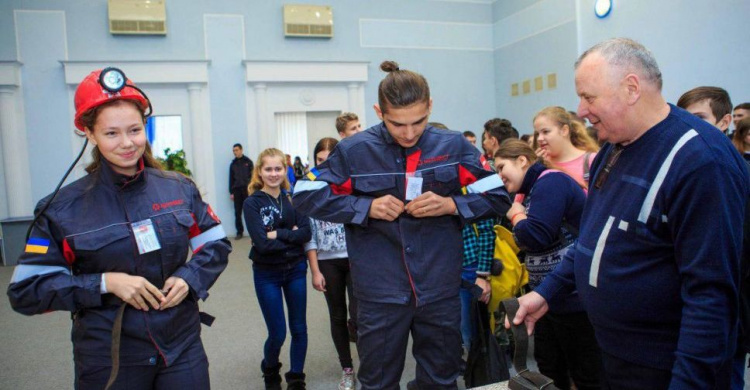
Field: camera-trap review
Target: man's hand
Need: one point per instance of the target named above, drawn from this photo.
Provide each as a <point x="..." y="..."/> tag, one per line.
<point x="532" y="307"/>
<point x="134" y="290"/>
<point x="386" y="207"/>
<point x="430" y="204"/>
<point x="176" y="289"/>
<point x="231" y="196"/>
<point x="486" y="289"/>
<point x="271" y="235"/>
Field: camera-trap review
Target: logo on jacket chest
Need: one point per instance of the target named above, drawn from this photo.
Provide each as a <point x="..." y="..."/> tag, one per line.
<point x="166" y="205"/>
<point x="432" y="160"/>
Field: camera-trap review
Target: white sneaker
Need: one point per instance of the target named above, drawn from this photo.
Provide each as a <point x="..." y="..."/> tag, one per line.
<point x="348" y="382"/>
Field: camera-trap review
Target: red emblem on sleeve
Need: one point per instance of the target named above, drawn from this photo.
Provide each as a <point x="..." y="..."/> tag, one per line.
<point x="213" y="215"/>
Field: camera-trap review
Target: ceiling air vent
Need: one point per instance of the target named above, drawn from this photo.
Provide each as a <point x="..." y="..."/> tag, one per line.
<point x="143" y="17"/>
<point x="303" y="20"/>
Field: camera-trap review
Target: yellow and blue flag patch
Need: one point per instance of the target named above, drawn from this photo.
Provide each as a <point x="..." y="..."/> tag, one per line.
<point x="37" y="245"/>
<point x="313" y="174"/>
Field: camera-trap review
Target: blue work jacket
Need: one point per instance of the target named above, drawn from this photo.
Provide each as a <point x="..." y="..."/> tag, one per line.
<point x="87" y="231"/>
<point x="391" y="262"/>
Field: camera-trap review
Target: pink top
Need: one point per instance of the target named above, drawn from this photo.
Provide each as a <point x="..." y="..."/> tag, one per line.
<point x="574" y="167"/>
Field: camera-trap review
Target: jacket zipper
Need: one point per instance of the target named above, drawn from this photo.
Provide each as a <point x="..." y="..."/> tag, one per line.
<point x="410" y="166"/>
<point x="135" y="250"/>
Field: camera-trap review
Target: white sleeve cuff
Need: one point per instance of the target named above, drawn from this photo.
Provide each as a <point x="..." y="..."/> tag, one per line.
<point x="103" y="285"/>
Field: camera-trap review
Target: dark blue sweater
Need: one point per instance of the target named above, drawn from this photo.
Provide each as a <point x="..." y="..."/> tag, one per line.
<point x="554" y="203"/>
<point x="263" y="214"/>
<point x="656" y="264"/>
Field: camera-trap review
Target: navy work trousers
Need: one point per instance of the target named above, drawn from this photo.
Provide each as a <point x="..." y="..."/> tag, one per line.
<point x="188" y="372"/>
<point x="384" y="330"/>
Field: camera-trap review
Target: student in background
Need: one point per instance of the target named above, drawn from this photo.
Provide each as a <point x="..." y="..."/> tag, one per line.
<point x="347" y="124"/>
<point x="741" y="112"/>
<point x="562" y="140"/>
<point x="741" y="138"/>
<point x="496" y="131"/>
<point x="712" y="104"/>
<point x="290" y="173"/>
<point x="479" y="248"/>
<point x="331" y="274"/>
<point x="471" y="137"/>
<point x="278" y="233"/>
<point x="299" y="168"/>
<point x="545" y="226"/>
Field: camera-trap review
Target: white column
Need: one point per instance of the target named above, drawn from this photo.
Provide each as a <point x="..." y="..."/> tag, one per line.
<point x="193" y="137"/>
<point x="261" y="112"/>
<point x="15" y="157"/>
<point x="201" y="145"/>
<point x="353" y="98"/>
<point x="363" y="110"/>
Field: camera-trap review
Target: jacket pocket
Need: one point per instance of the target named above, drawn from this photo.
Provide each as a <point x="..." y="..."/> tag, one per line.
<point x="174" y="237"/>
<point x="108" y="249"/>
<point x="98" y="239"/>
<point x="442" y="180"/>
<point x="375" y="185"/>
<point x="174" y="224"/>
<point x="446" y="174"/>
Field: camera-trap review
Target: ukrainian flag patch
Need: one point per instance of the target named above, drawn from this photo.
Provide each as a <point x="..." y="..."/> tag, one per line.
<point x="313" y="174"/>
<point x="37" y="245"/>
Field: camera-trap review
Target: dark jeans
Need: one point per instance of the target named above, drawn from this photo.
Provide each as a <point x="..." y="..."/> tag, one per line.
<point x="384" y="330"/>
<point x="270" y="286"/>
<point x="338" y="282"/>
<point x="240" y="194"/>
<point x="565" y="348"/>
<point x="189" y="371"/>
<point x="468" y="327"/>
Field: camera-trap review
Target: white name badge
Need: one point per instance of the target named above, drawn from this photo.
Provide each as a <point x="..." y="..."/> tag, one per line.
<point x="413" y="187"/>
<point x="145" y="236"/>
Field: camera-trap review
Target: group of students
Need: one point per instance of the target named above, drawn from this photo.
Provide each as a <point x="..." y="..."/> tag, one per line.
<point x="112" y="247"/>
<point x="550" y="182"/>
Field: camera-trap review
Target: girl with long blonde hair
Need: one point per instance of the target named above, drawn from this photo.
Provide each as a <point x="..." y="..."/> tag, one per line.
<point x="279" y="234"/>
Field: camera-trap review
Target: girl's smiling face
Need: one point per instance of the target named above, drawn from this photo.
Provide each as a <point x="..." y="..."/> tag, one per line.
<point x="512" y="171"/>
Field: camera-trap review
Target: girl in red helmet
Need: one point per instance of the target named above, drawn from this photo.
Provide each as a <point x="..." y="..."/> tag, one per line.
<point x="112" y="247"/>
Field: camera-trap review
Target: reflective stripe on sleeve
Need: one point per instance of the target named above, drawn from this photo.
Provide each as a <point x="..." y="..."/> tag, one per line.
<point x="487" y="184"/>
<point x="306" y="185"/>
<point x="213" y="234"/>
<point x="25" y="271"/>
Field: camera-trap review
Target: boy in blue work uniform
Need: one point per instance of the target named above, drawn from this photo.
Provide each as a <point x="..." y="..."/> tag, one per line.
<point x="397" y="187"/>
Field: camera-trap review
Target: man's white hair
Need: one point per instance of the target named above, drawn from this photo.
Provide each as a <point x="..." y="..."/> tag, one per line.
<point x="629" y="55"/>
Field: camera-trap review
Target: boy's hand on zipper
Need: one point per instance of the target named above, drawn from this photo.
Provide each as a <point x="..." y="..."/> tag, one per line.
<point x="430" y="204"/>
<point x="387" y="208"/>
